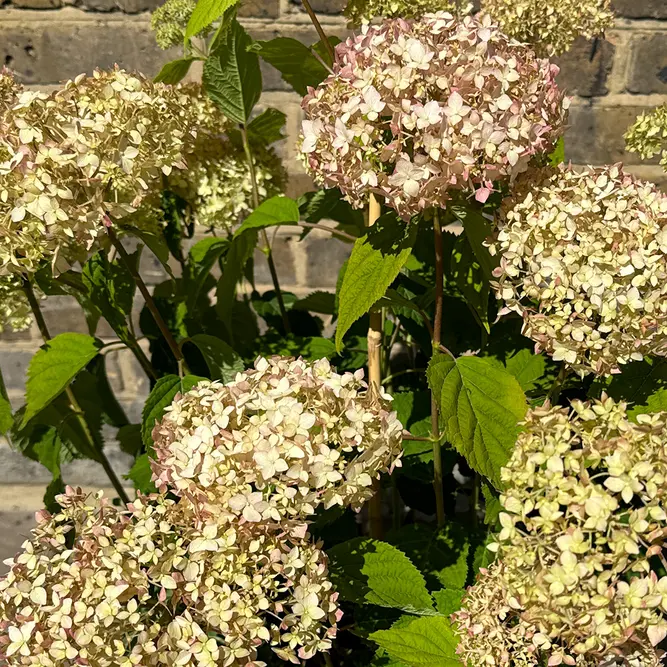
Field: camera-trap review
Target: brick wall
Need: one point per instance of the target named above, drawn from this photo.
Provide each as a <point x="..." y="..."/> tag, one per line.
<point x="46" y="41"/>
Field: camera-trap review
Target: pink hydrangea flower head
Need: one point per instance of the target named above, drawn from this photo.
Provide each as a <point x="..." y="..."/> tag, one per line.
<point x="416" y="109"/>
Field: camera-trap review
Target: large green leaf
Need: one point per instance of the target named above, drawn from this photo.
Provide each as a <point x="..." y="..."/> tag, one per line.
<point x="469" y="278"/>
<point x="232" y="77"/>
<point x="295" y="62"/>
<point x="205" y="13"/>
<point x="6" y="419"/>
<point x="374" y="572"/>
<point x="480" y="407"/>
<point x="654" y="403"/>
<point x="267" y="128"/>
<point x="557" y="156"/>
<point x="279" y="210"/>
<point x="427" y="641"/>
<point x="240" y="251"/>
<point x="203" y="255"/>
<point x="161" y="396"/>
<point x="140" y="474"/>
<point x="375" y="262"/>
<point x="477" y="230"/>
<point x="636" y="382"/>
<point x="174" y="71"/>
<point x="448" y="600"/>
<point x="222" y="361"/>
<point x="47" y="448"/>
<point x="330" y="205"/>
<point x="526" y="367"/>
<point x="317" y="302"/>
<point x="54" y="366"/>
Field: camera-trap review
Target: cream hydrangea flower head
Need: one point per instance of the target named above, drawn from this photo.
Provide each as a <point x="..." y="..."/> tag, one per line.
<point x="101" y="143"/>
<point x="648" y="135"/>
<point x="364" y="11"/>
<point x="417" y="108"/>
<point x="169" y="21"/>
<point x="550" y="26"/>
<point x="15" y="312"/>
<point x="217" y="184"/>
<point x="277" y="442"/>
<point x="155" y="585"/>
<point x="584" y="512"/>
<point x="583" y="258"/>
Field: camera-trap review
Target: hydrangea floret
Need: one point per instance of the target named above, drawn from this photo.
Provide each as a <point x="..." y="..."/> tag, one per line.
<point x="277" y="442"/>
<point x="648" y="135"/>
<point x="101" y="143"/>
<point x="156" y="585"/>
<point x="584" y="512"/>
<point x="169" y="21"/>
<point x="364" y="11"/>
<point x="415" y="109"/>
<point x="583" y="258"/>
<point x="15" y="312"/>
<point x="550" y="26"/>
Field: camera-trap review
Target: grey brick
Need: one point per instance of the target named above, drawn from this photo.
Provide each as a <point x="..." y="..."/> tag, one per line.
<point x="585" y="68"/>
<point x="63" y="313"/>
<point x="648" y="64"/>
<point x="640" y="9"/>
<point x="49" y="52"/>
<point x="595" y="135"/>
<point x="260" y="9"/>
<point x="324" y="6"/>
<point x="325" y="257"/>
<point x="14" y="364"/>
<point x="283" y="258"/>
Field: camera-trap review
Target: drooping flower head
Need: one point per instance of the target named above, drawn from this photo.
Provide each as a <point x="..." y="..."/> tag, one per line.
<point x="364" y="11"/>
<point x="154" y="585"/>
<point x="415" y="109"/>
<point x="584" y="512"/>
<point x="550" y="26"/>
<point x="277" y="442"/>
<point x="583" y="258"/>
<point x="101" y="143"/>
<point x="648" y="135"/>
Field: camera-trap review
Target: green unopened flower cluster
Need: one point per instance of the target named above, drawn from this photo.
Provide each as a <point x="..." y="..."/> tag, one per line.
<point x="218" y="185"/>
<point x="583" y="258"/>
<point x="550" y="26"/>
<point x="14" y="308"/>
<point x="648" y="135"/>
<point x="169" y="21"/>
<point x="364" y="11"/>
<point x="584" y="514"/>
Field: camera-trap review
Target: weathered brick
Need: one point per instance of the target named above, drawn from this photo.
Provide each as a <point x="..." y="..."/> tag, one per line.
<point x="126" y="6"/>
<point x="63" y="313"/>
<point x="14" y="364"/>
<point x="51" y="51"/>
<point x="595" y="135"/>
<point x="640" y="9"/>
<point x="325" y="257"/>
<point x="260" y="9"/>
<point x="648" y="64"/>
<point x="585" y="68"/>
<point x="283" y="258"/>
<point x="37" y="4"/>
<point x="324" y="6"/>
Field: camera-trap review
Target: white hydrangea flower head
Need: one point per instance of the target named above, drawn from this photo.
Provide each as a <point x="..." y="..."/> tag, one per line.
<point x="648" y="135"/>
<point x="156" y="585"/>
<point x="584" y="511"/>
<point x="100" y="143"/>
<point x="550" y="26"/>
<point x="277" y="442"/>
<point x="169" y="21"/>
<point x="15" y="314"/>
<point x="583" y="258"/>
<point x="415" y="109"/>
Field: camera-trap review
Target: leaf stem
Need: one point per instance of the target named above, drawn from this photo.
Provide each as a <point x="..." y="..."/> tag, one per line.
<point x="320" y="31"/>
<point x="333" y="232"/>
<point x="148" y="298"/>
<point x="94" y="444"/>
<point x="557" y="386"/>
<point x="267" y="246"/>
<point x="437" y="335"/>
<point x="375" y="380"/>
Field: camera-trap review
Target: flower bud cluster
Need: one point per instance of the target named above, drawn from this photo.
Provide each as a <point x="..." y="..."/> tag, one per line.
<point x="415" y="109"/>
<point x="169" y="21"/>
<point x="364" y="11"/>
<point x="550" y="26"/>
<point x="277" y="442"/>
<point x="15" y="312"/>
<point x="583" y="258"/>
<point x="584" y="515"/>
<point x="648" y="135"/>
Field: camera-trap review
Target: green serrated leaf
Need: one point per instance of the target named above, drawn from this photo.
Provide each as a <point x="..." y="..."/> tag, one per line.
<point x="174" y="71"/>
<point x="526" y="367"/>
<point x="203" y="255"/>
<point x="6" y="418"/>
<point x="279" y="210"/>
<point x="492" y="505"/>
<point x="205" y="13"/>
<point x="448" y="600"/>
<point x="374" y="572"/>
<point x="140" y="475"/>
<point x="129" y="439"/>
<point x="161" y="396"/>
<point x="295" y="62"/>
<point x="375" y="262"/>
<point x="636" y="383"/>
<point x="426" y="641"/>
<point x="477" y="230"/>
<point x="467" y="273"/>
<point x="557" y="156"/>
<point x="267" y="128"/>
<point x="483" y="556"/>
<point x="232" y="77"/>
<point x="54" y="366"/>
<point x="655" y="403"/>
<point x="222" y="361"/>
<point x="330" y="205"/>
<point x="156" y="243"/>
<point x="480" y="407"/>
<point x="317" y="302"/>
